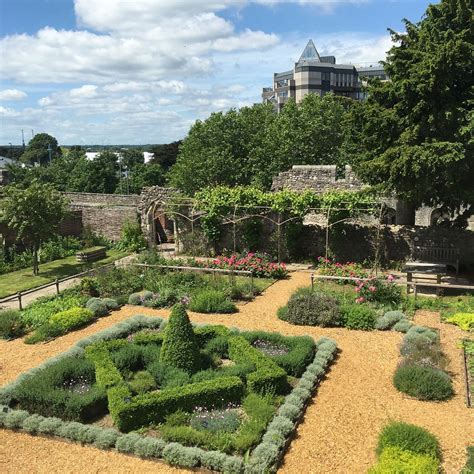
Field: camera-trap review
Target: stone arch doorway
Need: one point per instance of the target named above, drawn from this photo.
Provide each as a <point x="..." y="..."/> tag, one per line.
<point x="161" y="226"/>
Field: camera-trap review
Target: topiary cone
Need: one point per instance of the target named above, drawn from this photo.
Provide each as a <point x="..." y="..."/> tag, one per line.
<point x="179" y="347"/>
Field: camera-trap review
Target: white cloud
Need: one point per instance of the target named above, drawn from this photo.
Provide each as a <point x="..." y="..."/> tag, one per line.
<point x="12" y="94"/>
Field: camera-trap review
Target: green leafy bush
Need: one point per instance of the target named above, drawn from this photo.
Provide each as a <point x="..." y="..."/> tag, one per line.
<point x="128" y="358"/>
<point x="299" y="355"/>
<point x="98" y="307"/>
<point x="131" y="413"/>
<point x="211" y="301"/>
<point x="65" y="389"/>
<point x="464" y="320"/>
<point x="314" y="309"/>
<point x="268" y="376"/>
<point x="142" y="382"/>
<point x="131" y="238"/>
<point x="11" y="324"/>
<point x="43" y="333"/>
<point x="167" y="376"/>
<point x="140" y="298"/>
<point x="402" y="326"/>
<point x="89" y="286"/>
<point x="358" y="316"/>
<point x="388" y="320"/>
<point x="40" y="311"/>
<point x="222" y="420"/>
<point x="72" y="319"/>
<point x="397" y="460"/>
<point x="179" y="347"/>
<point x="119" y="281"/>
<point x="409" y="438"/>
<point x="424" y="383"/>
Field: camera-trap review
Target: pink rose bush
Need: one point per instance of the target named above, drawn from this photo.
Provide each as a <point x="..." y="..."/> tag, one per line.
<point x="327" y="266"/>
<point x="380" y="290"/>
<point x="258" y="263"/>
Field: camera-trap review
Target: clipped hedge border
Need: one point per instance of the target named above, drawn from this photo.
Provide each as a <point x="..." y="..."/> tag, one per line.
<point x="264" y="458"/>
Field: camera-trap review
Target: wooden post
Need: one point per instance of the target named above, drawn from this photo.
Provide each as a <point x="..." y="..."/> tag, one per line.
<point x="57" y="286"/>
<point x="415" y="292"/>
<point x="312" y="282"/>
<point x="19" y="301"/>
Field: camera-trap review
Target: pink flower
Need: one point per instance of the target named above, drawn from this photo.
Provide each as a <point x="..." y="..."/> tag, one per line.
<point x="372" y="288"/>
<point x="357" y="289"/>
<point x="361" y="299"/>
<point x="390" y="278"/>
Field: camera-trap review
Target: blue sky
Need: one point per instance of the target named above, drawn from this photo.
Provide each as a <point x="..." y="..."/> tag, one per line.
<point x="142" y="71"/>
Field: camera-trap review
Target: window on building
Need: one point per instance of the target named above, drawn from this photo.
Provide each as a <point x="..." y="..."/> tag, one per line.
<point x="326" y="76"/>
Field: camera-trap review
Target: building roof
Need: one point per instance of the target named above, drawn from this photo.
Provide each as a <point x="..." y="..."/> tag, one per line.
<point x="310" y="54"/>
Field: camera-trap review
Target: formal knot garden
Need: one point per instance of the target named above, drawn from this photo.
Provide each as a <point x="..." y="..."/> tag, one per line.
<point x="221" y="364"/>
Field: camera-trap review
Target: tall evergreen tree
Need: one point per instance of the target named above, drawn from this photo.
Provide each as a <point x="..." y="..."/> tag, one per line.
<point x="416" y="129"/>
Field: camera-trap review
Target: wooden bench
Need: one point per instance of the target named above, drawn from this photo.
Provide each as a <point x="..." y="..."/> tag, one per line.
<point x="443" y="255"/>
<point x="91" y="255"/>
<point x="420" y="272"/>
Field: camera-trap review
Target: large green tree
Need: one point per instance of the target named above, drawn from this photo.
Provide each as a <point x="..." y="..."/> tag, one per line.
<point x="39" y="149"/>
<point x="415" y="130"/>
<point x="253" y="144"/>
<point x="34" y="214"/>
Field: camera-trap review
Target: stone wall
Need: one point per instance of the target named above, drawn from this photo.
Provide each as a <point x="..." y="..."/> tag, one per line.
<point x="108" y="221"/>
<point x="97" y="199"/>
<point x="317" y="178"/>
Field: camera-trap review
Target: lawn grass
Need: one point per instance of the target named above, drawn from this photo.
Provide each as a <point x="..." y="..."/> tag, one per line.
<point x="22" y="280"/>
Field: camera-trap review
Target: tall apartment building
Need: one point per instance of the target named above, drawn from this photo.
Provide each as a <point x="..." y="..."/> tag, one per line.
<point x="318" y="74"/>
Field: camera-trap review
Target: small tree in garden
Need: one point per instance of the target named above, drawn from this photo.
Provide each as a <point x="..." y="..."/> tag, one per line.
<point x="34" y="214"/>
<point x="179" y="347"/>
<point x="131" y="238"/>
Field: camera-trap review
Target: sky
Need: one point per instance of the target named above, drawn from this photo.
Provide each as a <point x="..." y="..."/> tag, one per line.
<point x="143" y="71"/>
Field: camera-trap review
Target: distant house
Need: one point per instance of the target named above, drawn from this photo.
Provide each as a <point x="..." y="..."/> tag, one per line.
<point x="4" y="161"/>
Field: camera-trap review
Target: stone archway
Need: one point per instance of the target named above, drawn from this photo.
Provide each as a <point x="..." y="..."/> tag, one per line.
<point x="440" y="217"/>
<point x="157" y="226"/>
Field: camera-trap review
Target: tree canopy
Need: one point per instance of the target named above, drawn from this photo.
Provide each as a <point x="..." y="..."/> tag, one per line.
<point x="415" y="135"/>
<point x="37" y="149"/>
<point x="34" y="214"/>
<point x="251" y="145"/>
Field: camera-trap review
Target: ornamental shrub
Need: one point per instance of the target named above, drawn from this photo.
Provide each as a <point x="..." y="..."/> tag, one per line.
<point x="106" y="438"/>
<point x="409" y="438"/>
<point x="397" y="460"/>
<point x="423" y="383"/>
<point x="43" y="333"/>
<point x="179" y="347"/>
<point x="11" y="324"/>
<point x="129" y="358"/>
<point x="314" y="309"/>
<point x="209" y="300"/>
<point x="89" y="286"/>
<point x="402" y="326"/>
<point x="72" y="319"/>
<point x="142" y="382"/>
<point x="358" y="316"/>
<point x="388" y="320"/>
<point x="98" y="307"/>
<point x="65" y="389"/>
<point x="167" y="376"/>
<point x="464" y="320"/>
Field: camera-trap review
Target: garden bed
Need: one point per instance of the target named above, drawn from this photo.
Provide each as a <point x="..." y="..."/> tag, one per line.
<point x="275" y="391"/>
<point x="468" y="358"/>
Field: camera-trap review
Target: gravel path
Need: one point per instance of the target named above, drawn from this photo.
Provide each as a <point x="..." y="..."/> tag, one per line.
<point x="340" y="429"/>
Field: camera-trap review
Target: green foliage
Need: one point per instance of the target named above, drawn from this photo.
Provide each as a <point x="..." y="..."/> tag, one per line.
<point x="464" y="320"/>
<point x="394" y="459"/>
<point x="301" y="350"/>
<point x="469" y="467"/>
<point x="34" y="214"/>
<point x="119" y="281"/>
<point x="268" y="376"/>
<point x="211" y="301"/>
<point x="167" y="376"/>
<point x="388" y="320"/>
<point x="142" y="382"/>
<point x="415" y="133"/>
<point x="222" y="420"/>
<point x="89" y="286"/>
<point x="179" y="347"/>
<point x="313" y="309"/>
<point x="402" y="326"/>
<point x="131" y="413"/>
<point x="128" y="358"/>
<point x="252" y="144"/>
<point x="423" y="383"/>
<point x="37" y="149"/>
<point x="409" y="438"/>
<point x="358" y="316"/>
<point x="72" y="318"/>
<point x="131" y="238"/>
<point x="65" y="389"/>
<point x="40" y="311"/>
<point x="11" y="324"/>
<point x="98" y="307"/>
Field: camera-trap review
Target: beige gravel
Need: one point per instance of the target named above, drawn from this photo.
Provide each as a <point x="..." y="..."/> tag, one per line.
<point x="340" y="429"/>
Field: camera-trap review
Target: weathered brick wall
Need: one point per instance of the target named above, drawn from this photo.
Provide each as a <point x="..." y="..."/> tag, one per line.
<point x="107" y="221"/>
<point x="318" y="178"/>
<point x="72" y="224"/>
<point x="97" y="199"/>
